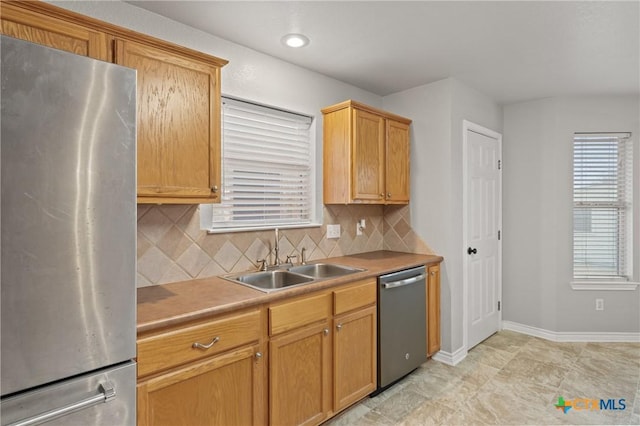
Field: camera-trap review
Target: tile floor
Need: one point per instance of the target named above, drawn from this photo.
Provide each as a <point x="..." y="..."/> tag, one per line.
<point x="511" y="379"/>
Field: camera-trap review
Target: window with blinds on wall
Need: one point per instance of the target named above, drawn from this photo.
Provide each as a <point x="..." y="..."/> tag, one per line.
<point x="602" y="188"/>
<point x="267" y="175"/>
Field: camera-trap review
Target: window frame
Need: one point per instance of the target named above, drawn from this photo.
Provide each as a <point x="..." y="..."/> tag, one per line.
<point x="207" y="211"/>
<point x="604" y="282"/>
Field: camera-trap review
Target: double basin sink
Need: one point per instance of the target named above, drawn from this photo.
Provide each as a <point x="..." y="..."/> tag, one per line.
<point x="289" y="276"/>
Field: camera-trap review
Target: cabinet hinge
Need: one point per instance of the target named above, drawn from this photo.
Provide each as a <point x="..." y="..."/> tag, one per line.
<point x="499" y="164"/>
<point x="498" y="305"/>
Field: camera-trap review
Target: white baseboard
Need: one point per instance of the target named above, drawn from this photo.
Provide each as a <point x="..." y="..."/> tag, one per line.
<point x="451" y="358"/>
<point x="563" y="336"/>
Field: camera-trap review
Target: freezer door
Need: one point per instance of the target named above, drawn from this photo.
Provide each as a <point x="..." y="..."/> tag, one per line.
<point x="107" y="397"/>
<point x="68" y="220"/>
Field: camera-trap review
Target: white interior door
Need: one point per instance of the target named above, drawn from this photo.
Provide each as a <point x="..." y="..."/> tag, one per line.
<point x="483" y="205"/>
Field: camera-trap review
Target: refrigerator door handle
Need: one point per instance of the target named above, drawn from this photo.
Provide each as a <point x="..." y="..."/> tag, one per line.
<point x="107" y="393"/>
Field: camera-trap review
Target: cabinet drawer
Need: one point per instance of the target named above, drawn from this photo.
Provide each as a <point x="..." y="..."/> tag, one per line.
<point x="294" y="314"/>
<point x="355" y="296"/>
<point x="156" y="353"/>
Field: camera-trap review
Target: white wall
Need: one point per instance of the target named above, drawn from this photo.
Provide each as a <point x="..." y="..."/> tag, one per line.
<point x="438" y="110"/>
<point x="429" y="107"/>
<point x="537" y="188"/>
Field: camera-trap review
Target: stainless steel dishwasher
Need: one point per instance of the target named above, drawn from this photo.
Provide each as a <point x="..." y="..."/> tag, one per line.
<point x="402" y="324"/>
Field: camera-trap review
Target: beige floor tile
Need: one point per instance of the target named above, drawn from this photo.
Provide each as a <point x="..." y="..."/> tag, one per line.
<point x="487" y="355"/>
<point x="400" y="405"/>
<point x="429" y="413"/>
<point x="507" y="341"/>
<point x="551" y="352"/>
<point x="535" y="371"/>
<point x="630" y="351"/>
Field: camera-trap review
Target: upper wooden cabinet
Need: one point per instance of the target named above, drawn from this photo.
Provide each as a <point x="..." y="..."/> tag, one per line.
<point x="178" y="106"/>
<point x="366" y="155"/>
<point x="178" y="97"/>
<point x="52" y="31"/>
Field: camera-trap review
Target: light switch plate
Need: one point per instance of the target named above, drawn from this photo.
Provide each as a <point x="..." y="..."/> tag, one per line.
<point x="333" y="231"/>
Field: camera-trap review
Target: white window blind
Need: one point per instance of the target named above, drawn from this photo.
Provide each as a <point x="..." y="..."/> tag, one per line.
<point x="602" y="179"/>
<point x="267" y="176"/>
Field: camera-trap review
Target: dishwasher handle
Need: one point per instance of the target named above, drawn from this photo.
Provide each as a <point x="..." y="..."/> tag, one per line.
<point x="401" y="283"/>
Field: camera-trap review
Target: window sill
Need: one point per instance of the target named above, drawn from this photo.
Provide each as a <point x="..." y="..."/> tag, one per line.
<point x="261" y="228"/>
<point x="604" y="285"/>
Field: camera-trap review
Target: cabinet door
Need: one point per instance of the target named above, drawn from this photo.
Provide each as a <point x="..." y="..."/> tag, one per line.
<point x="178" y="124"/>
<point x="433" y="310"/>
<point x="354" y="357"/>
<point x="368" y="157"/>
<point x="38" y="28"/>
<point x="223" y="390"/>
<point x="299" y="375"/>
<point x="397" y="164"/>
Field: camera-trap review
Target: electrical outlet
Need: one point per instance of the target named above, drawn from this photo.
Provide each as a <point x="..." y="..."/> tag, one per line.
<point x="358" y="228"/>
<point x="599" y="304"/>
<point x="333" y="231"/>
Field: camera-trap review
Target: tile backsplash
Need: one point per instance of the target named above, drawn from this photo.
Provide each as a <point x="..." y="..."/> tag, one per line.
<point x="172" y="247"/>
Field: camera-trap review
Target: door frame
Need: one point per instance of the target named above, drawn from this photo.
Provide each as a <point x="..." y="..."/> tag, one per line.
<point x="466" y="127"/>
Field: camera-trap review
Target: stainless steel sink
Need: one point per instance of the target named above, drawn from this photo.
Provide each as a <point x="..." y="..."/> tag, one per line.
<point x="271" y="280"/>
<point x="279" y="279"/>
<point x="323" y="270"/>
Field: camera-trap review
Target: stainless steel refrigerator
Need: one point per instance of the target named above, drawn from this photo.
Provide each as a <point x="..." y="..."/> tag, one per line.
<point x="68" y="227"/>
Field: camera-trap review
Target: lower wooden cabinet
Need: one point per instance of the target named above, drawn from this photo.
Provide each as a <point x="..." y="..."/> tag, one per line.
<point x="322" y="353"/>
<point x="433" y="309"/>
<point x="222" y="390"/>
<point x="354" y="357"/>
<point x="210" y="372"/>
<point x="299" y="374"/>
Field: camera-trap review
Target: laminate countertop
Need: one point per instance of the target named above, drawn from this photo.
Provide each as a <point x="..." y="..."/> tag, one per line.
<point x="176" y="303"/>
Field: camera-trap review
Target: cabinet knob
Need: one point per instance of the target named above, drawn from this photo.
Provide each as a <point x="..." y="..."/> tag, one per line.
<point x="381" y="195"/>
<point x="325" y="331"/>
<point x="258" y="355"/>
<point x="388" y="195"/>
<point x="214" y="188"/>
<point x="339" y="327"/>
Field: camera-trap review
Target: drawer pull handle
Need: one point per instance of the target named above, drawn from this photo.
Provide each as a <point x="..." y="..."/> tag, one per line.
<point x="201" y="346"/>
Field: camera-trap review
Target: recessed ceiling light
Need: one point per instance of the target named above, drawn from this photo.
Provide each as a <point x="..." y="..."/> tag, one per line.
<point x="295" y="40"/>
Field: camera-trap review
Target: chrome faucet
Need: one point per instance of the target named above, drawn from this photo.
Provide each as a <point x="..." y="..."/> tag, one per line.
<point x="276" y="261"/>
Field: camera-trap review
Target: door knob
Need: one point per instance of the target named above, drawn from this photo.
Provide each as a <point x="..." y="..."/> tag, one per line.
<point x="472" y="250"/>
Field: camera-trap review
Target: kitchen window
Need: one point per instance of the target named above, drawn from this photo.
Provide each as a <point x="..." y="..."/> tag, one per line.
<point x="268" y="170"/>
<point x="602" y="209"/>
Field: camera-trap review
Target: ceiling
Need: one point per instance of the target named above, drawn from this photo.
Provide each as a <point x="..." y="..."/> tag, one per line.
<point x="510" y="50"/>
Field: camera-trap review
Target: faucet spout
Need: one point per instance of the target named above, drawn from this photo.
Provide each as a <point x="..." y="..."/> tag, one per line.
<point x="276" y="261"/>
